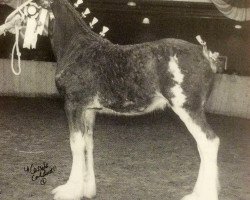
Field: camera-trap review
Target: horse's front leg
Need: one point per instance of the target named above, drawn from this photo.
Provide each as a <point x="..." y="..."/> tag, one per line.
<point x="81" y="182"/>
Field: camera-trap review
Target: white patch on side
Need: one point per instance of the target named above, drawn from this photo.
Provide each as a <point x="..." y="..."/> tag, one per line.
<point x="179" y="98"/>
<point x="175" y="70"/>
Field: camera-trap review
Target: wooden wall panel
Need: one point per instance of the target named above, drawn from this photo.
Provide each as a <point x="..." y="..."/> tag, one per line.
<point x="230" y="96"/>
<point x="37" y="79"/>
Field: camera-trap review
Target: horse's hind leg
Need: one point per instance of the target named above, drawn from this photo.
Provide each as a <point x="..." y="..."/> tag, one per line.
<point x="206" y="187"/>
<point x="187" y="101"/>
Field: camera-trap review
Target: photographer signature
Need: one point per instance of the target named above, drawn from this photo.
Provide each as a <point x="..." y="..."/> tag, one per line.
<point x="40" y="172"/>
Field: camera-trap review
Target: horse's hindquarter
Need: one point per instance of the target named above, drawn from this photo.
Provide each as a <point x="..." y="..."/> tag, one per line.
<point x="184" y="67"/>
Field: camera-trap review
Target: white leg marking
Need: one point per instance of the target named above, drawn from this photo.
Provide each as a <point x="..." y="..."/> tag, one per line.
<point x="77" y="145"/>
<point x="90" y="184"/>
<point x="206" y="187"/>
<point x="74" y="188"/>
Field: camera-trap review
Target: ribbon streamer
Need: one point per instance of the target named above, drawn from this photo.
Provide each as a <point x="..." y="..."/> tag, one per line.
<point x="79" y="2"/>
<point x="94" y="21"/>
<point x="202" y="42"/>
<point x="42" y="21"/>
<point x="85" y="13"/>
<point x="30" y="37"/>
<point x="105" y="29"/>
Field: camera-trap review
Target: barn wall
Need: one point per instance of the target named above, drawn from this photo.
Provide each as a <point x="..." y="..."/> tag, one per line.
<point x="169" y="19"/>
<point x="36" y="79"/>
<point x="230" y="96"/>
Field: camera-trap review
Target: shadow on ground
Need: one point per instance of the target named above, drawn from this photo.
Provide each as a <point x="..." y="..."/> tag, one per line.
<point x="147" y="157"/>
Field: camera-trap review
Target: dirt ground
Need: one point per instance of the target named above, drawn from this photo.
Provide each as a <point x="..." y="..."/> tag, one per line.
<point x="147" y="157"/>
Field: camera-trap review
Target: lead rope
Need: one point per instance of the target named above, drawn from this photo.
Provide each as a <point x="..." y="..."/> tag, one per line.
<point x="32" y="44"/>
<point x="16" y="44"/>
<point x="18" y="53"/>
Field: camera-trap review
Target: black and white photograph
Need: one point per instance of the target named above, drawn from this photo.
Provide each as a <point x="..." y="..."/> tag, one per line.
<point x="125" y="100"/>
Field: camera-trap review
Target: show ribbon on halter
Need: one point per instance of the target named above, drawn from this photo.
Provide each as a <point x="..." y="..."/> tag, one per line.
<point x="35" y="20"/>
<point x="30" y="16"/>
<point x="42" y="21"/>
<point x="30" y="37"/>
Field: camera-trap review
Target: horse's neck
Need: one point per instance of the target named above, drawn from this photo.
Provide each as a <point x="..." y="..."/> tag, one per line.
<point x="68" y="26"/>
